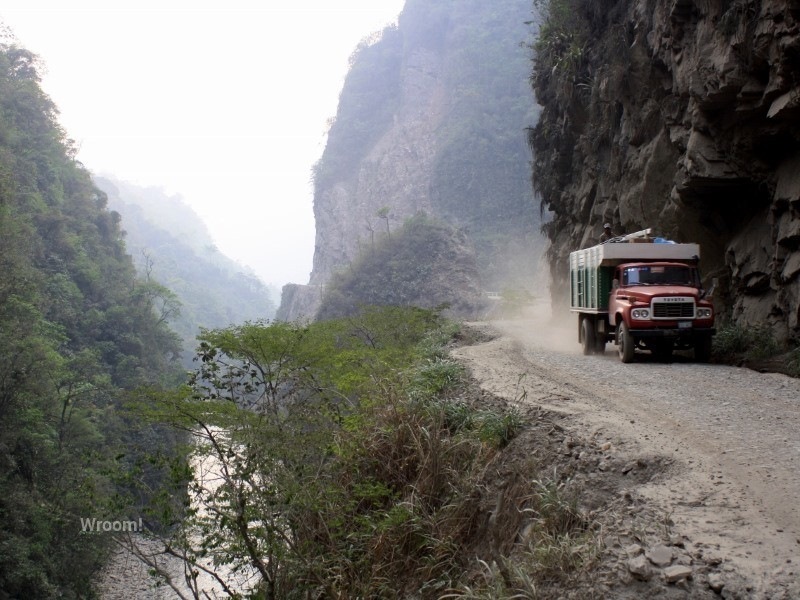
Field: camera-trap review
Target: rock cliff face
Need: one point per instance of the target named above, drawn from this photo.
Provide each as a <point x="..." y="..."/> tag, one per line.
<point x="431" y="120"/>
<point x="298" y="302"/>
<point x="395" y="173"/>
<point x="682" y="115"/>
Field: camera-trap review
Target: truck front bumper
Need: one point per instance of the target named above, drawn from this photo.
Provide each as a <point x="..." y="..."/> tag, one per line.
<point x="672" y="332"/>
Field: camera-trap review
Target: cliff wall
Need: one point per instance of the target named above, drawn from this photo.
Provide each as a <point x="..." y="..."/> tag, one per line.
<point x="431" y="120"/>
<point x="680" y="115"/>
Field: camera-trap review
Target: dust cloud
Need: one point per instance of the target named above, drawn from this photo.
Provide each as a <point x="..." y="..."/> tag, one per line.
<point x="526" y="312"/>
<point x="539" y="324"/>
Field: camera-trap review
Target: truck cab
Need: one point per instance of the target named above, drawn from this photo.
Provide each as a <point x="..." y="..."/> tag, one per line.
<point x="660" y="307"/>
<point x="641" y="294"/>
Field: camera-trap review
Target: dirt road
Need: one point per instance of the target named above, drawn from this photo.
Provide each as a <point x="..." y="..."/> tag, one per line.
<point x="729" y="438"/>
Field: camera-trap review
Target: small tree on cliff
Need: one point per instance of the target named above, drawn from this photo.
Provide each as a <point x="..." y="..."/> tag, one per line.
<point x="383" y="213"/>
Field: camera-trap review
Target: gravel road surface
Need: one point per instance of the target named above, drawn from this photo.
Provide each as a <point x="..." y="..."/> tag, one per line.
<point x="730" y="435"/>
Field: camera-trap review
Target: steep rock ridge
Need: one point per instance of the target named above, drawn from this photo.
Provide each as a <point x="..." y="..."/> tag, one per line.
<point x="398" y="167"/>
<point x="431" y="120"/>
<point x="680" y="115"/>
<point x="298" y="302"/>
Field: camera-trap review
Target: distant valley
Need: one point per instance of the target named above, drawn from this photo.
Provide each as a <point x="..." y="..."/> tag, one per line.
<point x="170" y="243"/>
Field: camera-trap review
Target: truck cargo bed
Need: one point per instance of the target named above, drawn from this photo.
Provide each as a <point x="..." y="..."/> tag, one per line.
<point x="592" y="269"/>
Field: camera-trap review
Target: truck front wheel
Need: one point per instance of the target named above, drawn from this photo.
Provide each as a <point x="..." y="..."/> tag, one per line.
<point x="625" y="343"/>
<point x="587" y="336"/>
<point x="702" y="349"/>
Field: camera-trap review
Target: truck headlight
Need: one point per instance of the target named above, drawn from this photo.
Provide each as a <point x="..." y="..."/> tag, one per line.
<point x="640" y="313"/>
<point x="704" y="313"/>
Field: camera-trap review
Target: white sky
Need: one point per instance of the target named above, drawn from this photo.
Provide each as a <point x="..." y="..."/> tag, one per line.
<point x="227" y="107"/>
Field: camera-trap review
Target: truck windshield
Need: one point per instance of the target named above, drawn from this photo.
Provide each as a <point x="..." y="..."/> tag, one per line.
<point x="659" y="275"/>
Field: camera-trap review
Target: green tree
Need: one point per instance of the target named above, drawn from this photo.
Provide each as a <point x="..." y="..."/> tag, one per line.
<point x="383" y="213"/>
<point x="76" y="329"/>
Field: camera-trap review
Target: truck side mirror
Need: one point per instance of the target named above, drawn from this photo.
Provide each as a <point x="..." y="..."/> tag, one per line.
<point x="614" y="283"/>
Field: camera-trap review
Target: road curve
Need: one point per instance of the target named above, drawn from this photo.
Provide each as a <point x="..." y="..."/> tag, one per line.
<point x="732" y="435"/>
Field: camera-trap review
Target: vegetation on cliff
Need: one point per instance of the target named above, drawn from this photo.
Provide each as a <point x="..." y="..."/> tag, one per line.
<point x="432" y="117"/>
<point x="425" y="263"/>
<point x="367" y="103"/>
<point x="481" y="178"/>
<point x="77" y="328"/>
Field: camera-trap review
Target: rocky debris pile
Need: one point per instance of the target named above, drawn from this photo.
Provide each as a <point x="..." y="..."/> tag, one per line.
<point x="643" y="554"/>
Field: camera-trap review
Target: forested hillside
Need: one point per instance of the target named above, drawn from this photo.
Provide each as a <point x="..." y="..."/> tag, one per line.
<point x="77" y="328"/>
<point x="170" y="244"/>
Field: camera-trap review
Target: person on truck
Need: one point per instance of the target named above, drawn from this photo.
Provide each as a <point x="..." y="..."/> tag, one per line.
<point x="607" y="233"/>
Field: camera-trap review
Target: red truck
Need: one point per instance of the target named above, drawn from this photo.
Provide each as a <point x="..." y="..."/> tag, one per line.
<point x="641" y="293"/>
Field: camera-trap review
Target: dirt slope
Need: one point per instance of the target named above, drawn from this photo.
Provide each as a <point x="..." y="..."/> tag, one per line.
<point x="727" y="441"/>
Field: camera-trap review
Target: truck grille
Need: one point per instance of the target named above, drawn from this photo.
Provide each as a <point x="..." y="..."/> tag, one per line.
<point x="671" y="309"/>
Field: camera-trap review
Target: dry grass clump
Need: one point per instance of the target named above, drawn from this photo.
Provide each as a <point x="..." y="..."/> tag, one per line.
<point x="427" y="515"/>
<point x="540" y="542"/>
<point x="411" y="487"/>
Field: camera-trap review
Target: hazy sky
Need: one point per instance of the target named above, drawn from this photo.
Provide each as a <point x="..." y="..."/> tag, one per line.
<point x="227" y="107"/>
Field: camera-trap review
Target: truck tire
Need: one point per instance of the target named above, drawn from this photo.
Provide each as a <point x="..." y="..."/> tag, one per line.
<point x="625" y="343"/>
<point x="587" y="335"/>
<point x="702" y="349"/>
<point x="600" y="343"/>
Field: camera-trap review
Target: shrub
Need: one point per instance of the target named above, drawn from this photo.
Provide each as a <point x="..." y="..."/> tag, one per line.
<point x="345" y="466"/>
<point x="434" y="377"/>
<point x="734" y="342"/>
<point x="498" y="429"/>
